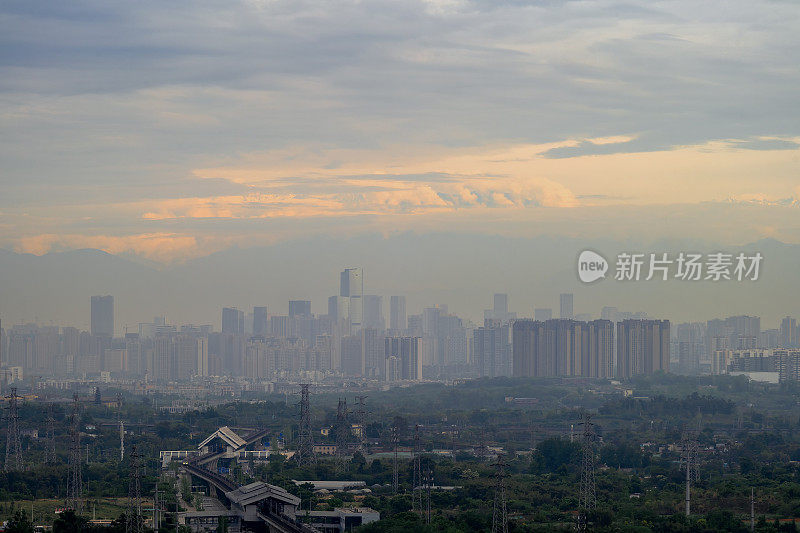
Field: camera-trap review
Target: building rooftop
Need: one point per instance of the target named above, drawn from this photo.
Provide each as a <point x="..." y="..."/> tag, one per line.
<point x="227" y="435"/>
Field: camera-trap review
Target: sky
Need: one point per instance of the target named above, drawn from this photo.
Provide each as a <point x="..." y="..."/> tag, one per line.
<point x="168" y="131"/>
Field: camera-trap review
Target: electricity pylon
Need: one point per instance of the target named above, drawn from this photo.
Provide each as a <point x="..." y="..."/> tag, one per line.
<point x="500" y="513"/>
<point x="305" y="448"/>
<point x="74" y="481"/>
<point x="13" y="445"/>
<point x="588" y="495"/>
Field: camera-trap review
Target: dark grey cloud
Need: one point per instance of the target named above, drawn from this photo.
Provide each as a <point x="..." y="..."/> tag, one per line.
<point x="114" y="101"/>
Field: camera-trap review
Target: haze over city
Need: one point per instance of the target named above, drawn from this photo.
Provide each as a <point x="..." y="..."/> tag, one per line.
<point x="384" y="266"/>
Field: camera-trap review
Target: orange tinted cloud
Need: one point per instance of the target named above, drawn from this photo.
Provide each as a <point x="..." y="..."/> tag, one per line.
<point x="161" y="247"/>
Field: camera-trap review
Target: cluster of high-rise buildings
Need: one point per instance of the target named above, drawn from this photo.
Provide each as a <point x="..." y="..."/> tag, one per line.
<point x="564" y="347"/>
<point x="354" y="340"/>
<point x="733" y="344"/>
<point x="350" y="340"/>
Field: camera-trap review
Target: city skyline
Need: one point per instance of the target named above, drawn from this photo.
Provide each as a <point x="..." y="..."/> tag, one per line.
<point x="534" y="272"/>
<point x="436" y="345"/>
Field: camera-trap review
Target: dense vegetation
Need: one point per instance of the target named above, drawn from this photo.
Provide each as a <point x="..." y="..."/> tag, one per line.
<point x="748" y="435"/>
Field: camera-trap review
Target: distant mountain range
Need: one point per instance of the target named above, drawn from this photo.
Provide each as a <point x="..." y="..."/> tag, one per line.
<point x="460" y="270"/>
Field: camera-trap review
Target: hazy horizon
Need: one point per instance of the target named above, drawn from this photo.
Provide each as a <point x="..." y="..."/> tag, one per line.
<point x="461" y="271"/>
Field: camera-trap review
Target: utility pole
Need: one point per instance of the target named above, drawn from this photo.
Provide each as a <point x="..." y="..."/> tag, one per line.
<point x="499" y="513"/>
<point x="305" y="448"/>
<point x="588" y="495"/>
<point x="74" y="481"/>
<point x="752" y="509"/>
<point x="13" y="445"/>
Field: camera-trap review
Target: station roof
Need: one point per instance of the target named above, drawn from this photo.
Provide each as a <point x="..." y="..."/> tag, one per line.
<point x="227" y="435"/>
<point x="258" y="491"/>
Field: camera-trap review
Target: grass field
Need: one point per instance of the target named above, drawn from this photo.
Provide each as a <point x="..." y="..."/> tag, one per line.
<point x="44" y="511"/>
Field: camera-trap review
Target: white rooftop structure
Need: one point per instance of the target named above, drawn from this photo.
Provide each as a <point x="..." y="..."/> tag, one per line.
<point x="227" y="435"/>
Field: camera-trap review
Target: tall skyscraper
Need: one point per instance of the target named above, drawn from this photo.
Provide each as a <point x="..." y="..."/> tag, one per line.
<point x="642" y="347"/>
<point x="260" y="322"/>
<point x="352" y="355"/>
<point x="338" y="308"/>
<point x="351" y="286"/>
<point x="372" y="346"/>
<point x="300" y="308"/>
<point x="232" y="320"/>
<point x="373" y="312"/>
<point x="408" y="357"/>
<point x="501" y="304"/>
<point x="566" y="306"/>
<point x="789" y="333"/>
<point x="745" y="331"/>
<point x="609" y="313"/>
<point x="499" y="310"/>
<point x="397" y="313"/>
<point x="102" y="316"/>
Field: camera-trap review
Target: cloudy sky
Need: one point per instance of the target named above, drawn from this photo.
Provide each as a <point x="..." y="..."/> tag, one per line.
<point x="170" y="130"/>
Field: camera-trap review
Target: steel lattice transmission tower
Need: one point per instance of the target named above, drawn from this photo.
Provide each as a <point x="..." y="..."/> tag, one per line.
<point x="50" y="438"/>
<point x="361" y="420"/>
<point x="428" y="485"/>
<point x="13" y="445"/>
<point x="75" y="481"/>
<point x="395" y="464"/>
<point x="134" y="522"/>
<point x="588" y="495"/>
<point x="500" y="513"/>
<point x="416" y="484"/>
<point x="121" y="428"/>
<point x="305" y="448"/>
<point x="482" y="449"/>
<point x="342" y="433"/>
<point x="690" y="453"/>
